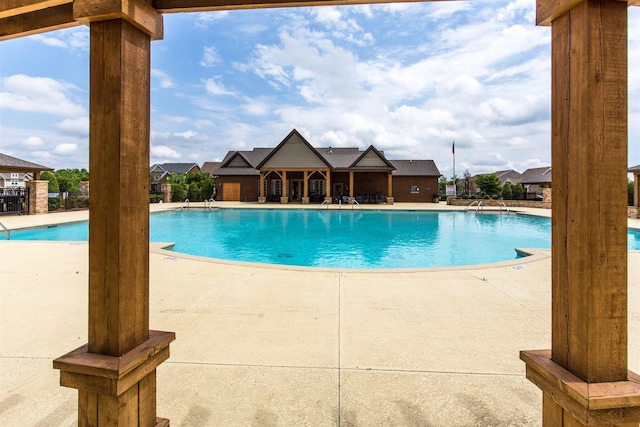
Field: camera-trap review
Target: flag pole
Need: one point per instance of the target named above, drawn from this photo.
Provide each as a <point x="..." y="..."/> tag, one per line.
<point x="453" y="151"/>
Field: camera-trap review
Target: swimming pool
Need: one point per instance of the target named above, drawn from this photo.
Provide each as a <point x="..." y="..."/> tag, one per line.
<point x="339" y="239"/>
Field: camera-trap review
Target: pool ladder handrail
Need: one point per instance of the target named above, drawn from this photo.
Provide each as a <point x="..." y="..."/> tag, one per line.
<point x="355" y="202"/>
<point x="6" y="230"/>
<point x="186" y="203"/>
<point x="503" y="205"/>
<point x="479" y="207"/>
<point x="325" y="202"/>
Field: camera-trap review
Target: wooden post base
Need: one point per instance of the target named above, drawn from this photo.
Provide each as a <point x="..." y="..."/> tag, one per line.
<point x="591" y="404"/>
<point x="117" y="391"/>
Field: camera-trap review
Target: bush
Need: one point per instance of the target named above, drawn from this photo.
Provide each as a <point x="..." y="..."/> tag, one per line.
<point x="506" y="191"/>
<point x="54" y="203"/>
<point x="155" y="198"/>
<point x="194" y="192"/>
<point x="487" y="197"/>
<point x="178" y="193"/>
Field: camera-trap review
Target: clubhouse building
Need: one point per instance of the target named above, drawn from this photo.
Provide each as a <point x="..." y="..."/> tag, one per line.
<point x="296" y="172"/>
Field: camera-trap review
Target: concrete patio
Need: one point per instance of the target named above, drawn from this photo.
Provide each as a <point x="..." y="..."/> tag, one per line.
<point x="271" y="346"/>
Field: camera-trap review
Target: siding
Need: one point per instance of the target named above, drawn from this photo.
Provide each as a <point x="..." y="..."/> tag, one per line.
<point x="371" y="159"/>
<point x="295" y="154"/>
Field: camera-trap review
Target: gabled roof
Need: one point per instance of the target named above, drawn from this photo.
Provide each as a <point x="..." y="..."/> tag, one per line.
<point x="512" y="176"/>
<point x="339" y="157"/>
<point x="180" y="168"/>
<point x="371" y="158"/>
<point x="14" y="164"/>
<point x="210" y="167"/>
<point x="634" y="168"/>
<point x="415" y="168"/>
<point x="293" y="135"/>
<point x="537" y="176"/>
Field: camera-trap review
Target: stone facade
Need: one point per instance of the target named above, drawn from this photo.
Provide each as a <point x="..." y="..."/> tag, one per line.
<point x="509" y="203"/>
<point x="38" y="197"/>
<point x="84" y="188"/>
<point x="166" y="193"/>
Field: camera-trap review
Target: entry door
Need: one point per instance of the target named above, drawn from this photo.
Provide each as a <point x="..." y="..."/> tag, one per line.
<point x="231" y="191"/>
<point x="297" y="190"/>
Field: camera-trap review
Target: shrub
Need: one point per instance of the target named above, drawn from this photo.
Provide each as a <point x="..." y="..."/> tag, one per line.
<point x="54" y="203"/>
<point x="155" y="198"/>
<point x="506" y="191"/>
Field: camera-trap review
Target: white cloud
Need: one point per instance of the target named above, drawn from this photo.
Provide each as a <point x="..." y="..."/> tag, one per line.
<point x="163" y="78"/>
<point x="204" y="20"/>
<point x="78" y="126"/>
<point x="50" y="41"/>
<point x="209" y="56"/>
<point x="162" y="151"/>
<point x="215" y="89"/>
<point x="33" y="141"/>
<point x="65" y="149"/>
<point x="39" y="95"/>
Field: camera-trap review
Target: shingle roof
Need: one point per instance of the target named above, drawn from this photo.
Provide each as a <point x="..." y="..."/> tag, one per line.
<point x="514" y="177"/>
<point x="634" y="168"/>
<point x="415" y="168"/>
<point x="9" y="163"/>
<point x="210" y="167"/>
<point x="537" y="176"/>
<point x="176" y="167"/>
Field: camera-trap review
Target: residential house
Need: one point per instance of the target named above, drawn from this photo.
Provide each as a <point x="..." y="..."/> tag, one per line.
<point x="297" y="172"/>
<point x="160" y="173"/>
<point x="534" y="180"/>
<point x="14" y="179"/>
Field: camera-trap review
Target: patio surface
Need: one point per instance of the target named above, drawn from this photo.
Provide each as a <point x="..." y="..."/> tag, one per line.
<point x="276" y="346"/>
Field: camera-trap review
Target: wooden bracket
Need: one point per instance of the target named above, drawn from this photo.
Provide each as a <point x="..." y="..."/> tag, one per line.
<point x="593" y="404"/>
<point x="137" y="12"/>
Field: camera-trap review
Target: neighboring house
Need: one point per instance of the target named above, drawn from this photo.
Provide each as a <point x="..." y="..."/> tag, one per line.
<point x="510" y="176"/>
<point x="534" y="180"/>
<point x="14" y="179"/>
<point x="296" y="172"/>
<point x="14" y="196"/>
<point x="160" y="173"/>
<point x="210" y="167"/>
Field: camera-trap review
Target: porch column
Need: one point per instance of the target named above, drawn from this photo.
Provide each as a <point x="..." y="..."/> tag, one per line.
<point x="351" y="198"/>
<point x="636" y="193"/>
<point x="389" y="188"/>
<point x="305" y="188"/>
<point x="261" y="198"/>
<point x="327" y="197"/>
<point x="38" y="197"/>
<point x="115" y="372"/>
<point x="284" y="198"/>
<point x="584" y="376"/>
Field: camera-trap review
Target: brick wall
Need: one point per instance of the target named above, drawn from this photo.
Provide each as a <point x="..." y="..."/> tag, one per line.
<point x="38" y="197"/>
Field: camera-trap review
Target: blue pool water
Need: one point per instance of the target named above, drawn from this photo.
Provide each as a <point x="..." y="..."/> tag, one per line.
<point x="339" y="239"/>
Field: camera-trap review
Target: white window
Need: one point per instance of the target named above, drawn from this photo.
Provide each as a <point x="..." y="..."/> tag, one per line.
<point x="14" y="176"/>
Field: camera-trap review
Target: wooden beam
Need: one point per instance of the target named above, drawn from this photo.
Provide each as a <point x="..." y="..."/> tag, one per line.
<point x="137" y="12"/>
<point x="173" y="6"/>
<point x="38" y="21"/>
<point x="548" y="10"/>
<point x="19" y="7"/>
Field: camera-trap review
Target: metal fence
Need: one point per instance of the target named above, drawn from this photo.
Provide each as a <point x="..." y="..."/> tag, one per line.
<point x="14" y="201"/>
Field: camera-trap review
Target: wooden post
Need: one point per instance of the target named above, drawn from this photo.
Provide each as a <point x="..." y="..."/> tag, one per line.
<point x="351" y="173"/>
<point x="328" y="197"/>
<point x="584" y="376"/>
<point x="115" y="372"/>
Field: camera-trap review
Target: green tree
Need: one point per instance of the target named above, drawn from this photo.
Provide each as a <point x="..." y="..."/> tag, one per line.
<point x="517" y="191"/>
<point x="507" y="194"/>
<point x="489" y="184"/>
<point x="69" y="179"/>
<point x="54" y="202"/>
<point x="630" y="187"/>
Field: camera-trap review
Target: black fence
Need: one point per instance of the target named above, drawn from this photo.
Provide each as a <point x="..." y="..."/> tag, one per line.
<point x="14" y="201"/>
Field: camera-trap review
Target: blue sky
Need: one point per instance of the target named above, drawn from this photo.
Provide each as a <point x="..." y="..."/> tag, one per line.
<point x="408" y="78"/>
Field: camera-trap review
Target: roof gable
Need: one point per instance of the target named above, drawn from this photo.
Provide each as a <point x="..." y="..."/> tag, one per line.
<point x="372" y="158"/>
<point x="237" y="160"/>
<point x="294" y="152"/>
<point x="14" y="164"/>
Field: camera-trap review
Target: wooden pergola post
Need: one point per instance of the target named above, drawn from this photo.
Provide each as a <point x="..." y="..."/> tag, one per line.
<point x="115" y="372"/>
<point x="584" y="376"/>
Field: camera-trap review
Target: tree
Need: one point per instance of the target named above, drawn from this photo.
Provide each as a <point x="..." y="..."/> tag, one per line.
<point x="507" y="194"/>
<point x="517" y="191"/>
<point x="489" y="184"/>
<point x="69" y="179"/>
<point x="54" y="202"/>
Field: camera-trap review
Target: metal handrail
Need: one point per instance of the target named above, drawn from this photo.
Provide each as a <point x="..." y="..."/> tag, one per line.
<point x="355" y="202"/>
<point x="6" y="231"/>
<point x="502" y="204"/>
<point x="186" y="202"/>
